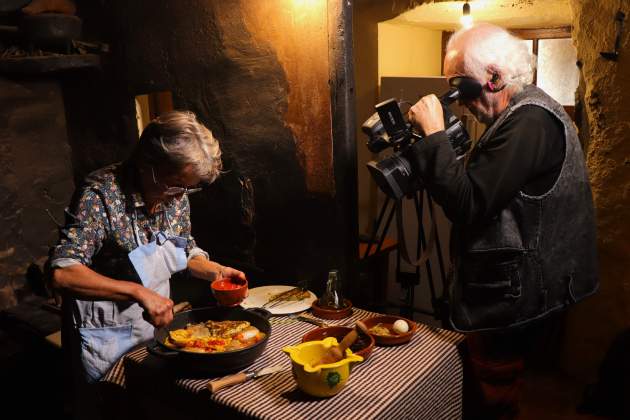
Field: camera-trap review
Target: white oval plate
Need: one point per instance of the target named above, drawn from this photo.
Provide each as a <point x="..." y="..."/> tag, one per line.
<point x="258" y="296"/>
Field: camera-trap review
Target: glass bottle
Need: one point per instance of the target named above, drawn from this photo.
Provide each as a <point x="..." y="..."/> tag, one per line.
<point x="332" y="297"/>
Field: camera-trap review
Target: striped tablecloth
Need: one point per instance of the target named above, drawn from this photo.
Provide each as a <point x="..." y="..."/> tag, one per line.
<point x="418" y="380"/>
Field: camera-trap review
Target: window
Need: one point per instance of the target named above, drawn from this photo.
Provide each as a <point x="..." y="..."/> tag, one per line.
<point x="556" y="69"/>
<point x="150" y="106"/>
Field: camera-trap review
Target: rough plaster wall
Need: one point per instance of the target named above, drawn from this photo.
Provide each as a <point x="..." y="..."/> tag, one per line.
<point x="250" y="84"/>
<point x="288" y="31"/>
<point x="444" y="15"/>
<point x="408" y="51"/>
<point x="35" y="176"/>
<point x="101" y="121"/>
<point x="605" y="87"/>
<point x="203" y="52"/>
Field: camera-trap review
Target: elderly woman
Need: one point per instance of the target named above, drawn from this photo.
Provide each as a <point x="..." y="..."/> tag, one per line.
<point x="128" y="231"/>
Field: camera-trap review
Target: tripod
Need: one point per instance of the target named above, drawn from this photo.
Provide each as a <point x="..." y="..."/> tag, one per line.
<point x="424" y="246"/>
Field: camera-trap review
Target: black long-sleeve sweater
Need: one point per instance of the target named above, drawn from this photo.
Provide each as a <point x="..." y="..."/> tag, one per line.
<point x="525" y="154"/>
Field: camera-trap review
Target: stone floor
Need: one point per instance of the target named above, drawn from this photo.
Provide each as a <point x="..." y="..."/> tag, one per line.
<point x="547" y="394"/>
<point x="29" y="364"/>
<point x="552" y="395"/>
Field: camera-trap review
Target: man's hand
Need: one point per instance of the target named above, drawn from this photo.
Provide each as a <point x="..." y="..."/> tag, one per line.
<point x="427" y="115"/>
<point x="159" y="309"/>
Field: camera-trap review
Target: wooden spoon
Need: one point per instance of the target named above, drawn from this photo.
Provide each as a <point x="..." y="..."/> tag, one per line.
<point x="336" y="353"/>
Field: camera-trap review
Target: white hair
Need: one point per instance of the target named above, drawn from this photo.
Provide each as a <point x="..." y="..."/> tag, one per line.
<point x="176" y="139"/>
<point x="489" y="48"/>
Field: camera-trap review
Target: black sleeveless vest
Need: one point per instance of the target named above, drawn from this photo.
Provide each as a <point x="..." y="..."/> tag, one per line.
<point x="539" y="254"/>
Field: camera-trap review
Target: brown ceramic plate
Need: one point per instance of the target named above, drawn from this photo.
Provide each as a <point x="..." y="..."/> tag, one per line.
<point x="363" y="346"/>
<point x="387" y="321"/>
<point x="327" y="313"/>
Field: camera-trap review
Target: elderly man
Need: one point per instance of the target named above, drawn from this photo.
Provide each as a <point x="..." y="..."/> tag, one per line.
<point x="524" y="240"/>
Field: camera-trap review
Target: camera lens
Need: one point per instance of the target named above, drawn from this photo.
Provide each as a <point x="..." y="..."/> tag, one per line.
<point x="392" y="175"/>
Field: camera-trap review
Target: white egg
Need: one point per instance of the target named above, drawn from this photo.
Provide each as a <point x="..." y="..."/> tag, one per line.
<point x="249" y="333"/>
<point x="400" y="326"/>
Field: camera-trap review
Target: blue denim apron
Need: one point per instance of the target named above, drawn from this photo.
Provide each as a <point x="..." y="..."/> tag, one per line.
<point x="109" y="329"/>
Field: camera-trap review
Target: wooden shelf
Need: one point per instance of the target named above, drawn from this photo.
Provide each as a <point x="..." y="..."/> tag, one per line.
<point x="49" y="63"/>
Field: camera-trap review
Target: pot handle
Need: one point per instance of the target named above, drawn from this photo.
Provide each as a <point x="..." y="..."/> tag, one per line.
<point x="155" y="349"/>
<point x="260" y="311"/>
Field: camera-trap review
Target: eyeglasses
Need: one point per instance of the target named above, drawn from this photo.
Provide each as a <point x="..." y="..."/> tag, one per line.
<point x="174" y="191"/>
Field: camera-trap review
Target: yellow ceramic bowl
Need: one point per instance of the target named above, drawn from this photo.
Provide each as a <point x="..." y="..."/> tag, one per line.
<point x="322" y="380"/>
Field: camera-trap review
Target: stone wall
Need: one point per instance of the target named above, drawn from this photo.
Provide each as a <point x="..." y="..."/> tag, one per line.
<point x="35" y="177"/>
<point x="604" y="96"/>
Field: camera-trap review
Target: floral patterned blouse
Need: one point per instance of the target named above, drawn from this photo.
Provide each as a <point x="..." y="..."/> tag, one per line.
<point x="99" y="231"/>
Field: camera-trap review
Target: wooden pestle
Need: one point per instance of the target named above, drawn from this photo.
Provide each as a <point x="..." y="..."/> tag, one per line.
<point x="363" y="328"/>
<point x="336" y="353"/>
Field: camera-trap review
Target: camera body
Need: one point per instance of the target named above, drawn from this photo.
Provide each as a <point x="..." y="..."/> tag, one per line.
<point x="387" y="128"/>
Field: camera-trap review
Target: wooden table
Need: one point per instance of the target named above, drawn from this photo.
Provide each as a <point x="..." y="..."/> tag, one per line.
<point x="420" y="380"/>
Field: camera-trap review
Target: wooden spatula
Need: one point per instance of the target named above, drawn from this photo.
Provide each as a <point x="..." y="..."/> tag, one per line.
<point x="336" y="353"/>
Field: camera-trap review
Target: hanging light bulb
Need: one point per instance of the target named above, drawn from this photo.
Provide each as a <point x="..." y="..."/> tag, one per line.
<point x="466" y="20"/>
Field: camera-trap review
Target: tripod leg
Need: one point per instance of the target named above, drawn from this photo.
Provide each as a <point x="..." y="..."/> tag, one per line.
<point x="381" y="228"/>
<point x="437" y="241"/>
<point x="441" y="307"/>
<point x="386" y="228"/>
<point x="419" y="201"/>
<point x="372" y="239"/>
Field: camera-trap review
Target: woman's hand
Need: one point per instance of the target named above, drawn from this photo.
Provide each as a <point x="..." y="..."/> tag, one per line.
<point x="159" y="310"/>
<point x="209" y="270"/>
<point x="229" y="272"/>
<point x="427" y="115"/>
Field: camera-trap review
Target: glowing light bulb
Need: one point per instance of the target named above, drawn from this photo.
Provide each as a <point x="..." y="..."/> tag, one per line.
<point x="466" y="20"/>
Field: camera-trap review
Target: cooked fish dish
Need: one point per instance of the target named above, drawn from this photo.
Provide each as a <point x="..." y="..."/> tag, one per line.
<point x="294" y="294"/>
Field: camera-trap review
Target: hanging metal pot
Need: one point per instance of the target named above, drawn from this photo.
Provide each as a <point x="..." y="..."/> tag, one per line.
<point x="51" y="30"/>
<point x="10" y="6"/>
<point x="46" y="30"/>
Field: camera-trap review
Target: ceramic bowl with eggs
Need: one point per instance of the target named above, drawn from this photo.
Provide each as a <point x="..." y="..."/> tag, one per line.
<point x="389" y="330"/>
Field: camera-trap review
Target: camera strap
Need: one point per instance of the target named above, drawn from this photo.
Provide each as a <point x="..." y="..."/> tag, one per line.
<point x="404" y="251"/>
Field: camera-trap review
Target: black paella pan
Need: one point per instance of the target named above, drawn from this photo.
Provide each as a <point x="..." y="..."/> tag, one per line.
<point x="214" y="363"/>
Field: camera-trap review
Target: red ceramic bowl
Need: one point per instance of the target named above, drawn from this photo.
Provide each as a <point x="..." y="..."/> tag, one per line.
<point x="363" y="346"/>
<point x="229" y="291"/>
<point x="387" y="321"/>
